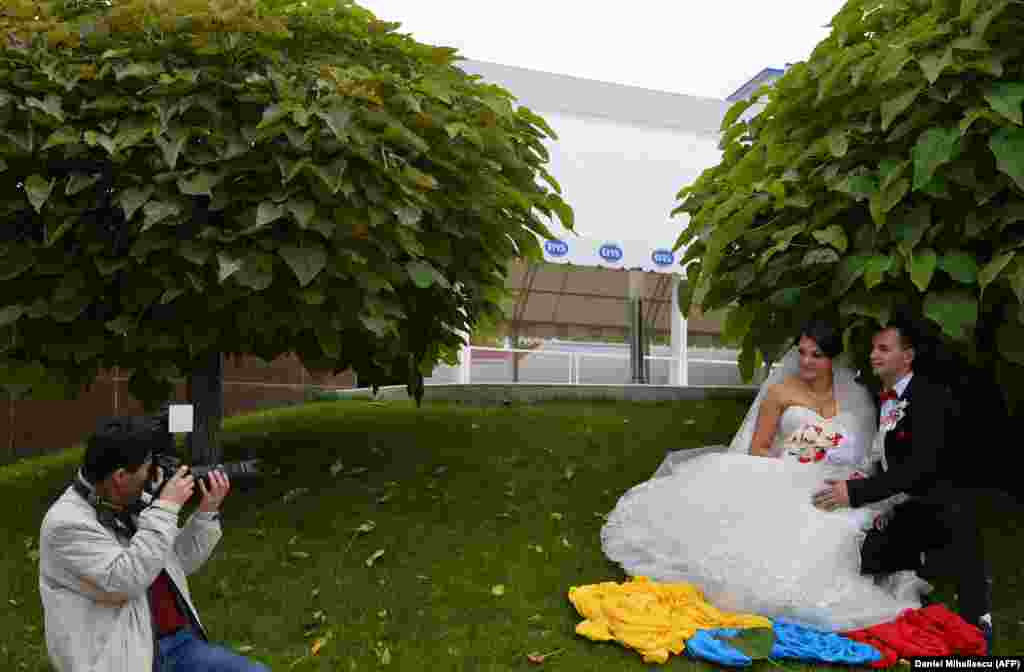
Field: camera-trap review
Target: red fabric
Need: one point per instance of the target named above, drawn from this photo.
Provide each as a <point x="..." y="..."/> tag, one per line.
<point x="889" y="394"/>
<point x="166" y="613"/>
<point x="932" y="631"/>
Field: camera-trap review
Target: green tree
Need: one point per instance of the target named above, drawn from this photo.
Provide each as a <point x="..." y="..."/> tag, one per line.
<point x="886" y="171"/>
<point x="185" y="178"/>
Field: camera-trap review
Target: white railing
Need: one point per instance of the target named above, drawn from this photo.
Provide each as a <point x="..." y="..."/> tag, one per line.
<point x="495" y="365"/>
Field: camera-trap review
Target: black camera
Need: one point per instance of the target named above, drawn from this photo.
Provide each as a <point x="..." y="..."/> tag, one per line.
<point x="165" y="458"/>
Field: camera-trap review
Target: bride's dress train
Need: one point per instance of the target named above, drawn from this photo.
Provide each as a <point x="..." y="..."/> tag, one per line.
<point x="743" y="529"/>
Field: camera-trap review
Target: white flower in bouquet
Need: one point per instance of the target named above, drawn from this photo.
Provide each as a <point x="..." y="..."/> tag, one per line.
<point x="812" y="441"/>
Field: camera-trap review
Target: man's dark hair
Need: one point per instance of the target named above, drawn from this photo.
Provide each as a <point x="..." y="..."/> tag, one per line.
<point x="826" y="335"/>
<point x="119" y="442"/>
<point x="907" y="329"/>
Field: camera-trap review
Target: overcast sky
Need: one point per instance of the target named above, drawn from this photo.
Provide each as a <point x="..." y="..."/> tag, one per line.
<point x="708" y="48"/>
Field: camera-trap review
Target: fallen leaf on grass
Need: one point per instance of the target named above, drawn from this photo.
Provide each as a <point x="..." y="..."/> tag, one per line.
<point x="498" y="590"/>
<point x="538" y="658"/>
<point x="375" y="557"/>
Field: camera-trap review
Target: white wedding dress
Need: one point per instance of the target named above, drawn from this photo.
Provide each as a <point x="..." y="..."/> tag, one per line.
<point x="743" y="528"/>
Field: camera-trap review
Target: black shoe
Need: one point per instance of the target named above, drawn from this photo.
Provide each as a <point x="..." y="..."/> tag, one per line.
<point x="986" y="629"/>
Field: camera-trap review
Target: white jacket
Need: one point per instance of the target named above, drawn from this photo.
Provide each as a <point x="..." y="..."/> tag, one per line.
<point x="94" y="584"/>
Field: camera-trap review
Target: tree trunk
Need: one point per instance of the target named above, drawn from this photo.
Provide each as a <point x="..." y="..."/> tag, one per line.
<point x="206" y="394"/>
<point x="515" y="356"/>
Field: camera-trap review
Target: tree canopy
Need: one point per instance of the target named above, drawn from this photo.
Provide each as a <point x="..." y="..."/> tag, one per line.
<point x="182" y="177"/>
<point x="884" y="173"/>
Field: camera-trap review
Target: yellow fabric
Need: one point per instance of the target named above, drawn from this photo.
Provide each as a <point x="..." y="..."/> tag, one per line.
<point x="654" y="619"/>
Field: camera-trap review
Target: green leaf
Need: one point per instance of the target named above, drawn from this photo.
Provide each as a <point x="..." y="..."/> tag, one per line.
<point x="922" y="268"/>
<point x="268" y="212"/>
<point x="409" y="216"/>
<point x="155" y="212"/>
<point x="934" y="148"/>
<point x="737" y="324"/>
<point x="332" y="174"/>
<point x="934" y="63"/>
<point x="961" y="266"/>
<point x="910" y="229"/>
<point x="66" y="224"/>
<point x="171" y="149"/>
<point x="65" y="135"/>
<point x="735" y="112"/>
<point x="850" y="270"/>
<point x="131" y="199"/>
<point x="302" y="210"/>
<point x="1010" y="341"/>
<point x="337" y="119"/>
<point x="200" y="184"/>
<point x="422" y="273"/>
<point x="886" y="199"/>
<point x="289" y="169"/>
<point x="38" y="191"/>
<point x="956" y="312"/>
<point x="1007" y="145"/>
<point x="92" y="138"/>
<point x="993" y="268"/>
<point x="1006" y="98"/>
<point x="822" y="255"/>
<point x="257" y="272"/>
<point x="839" y="144"/>
<point x="10" y="314"/>
<point x="875" y="270"/>
<point x="79" y="182"/>
<point x="272" y="114"/>
<point x="51" y="106"/>
<point x="140" y="69"/>
<point x="195" y="251"/>
<point x="876" y="305"/>
<point x="894" y="107"/>
<point x="305" y="262"/>
<point x="834" y="236"/>
<point x="227" y="266"/>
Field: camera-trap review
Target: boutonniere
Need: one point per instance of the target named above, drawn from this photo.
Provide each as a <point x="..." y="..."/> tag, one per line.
<point x="893" y="417"/>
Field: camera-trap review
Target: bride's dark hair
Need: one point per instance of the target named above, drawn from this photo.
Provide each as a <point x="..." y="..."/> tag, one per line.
<point x="825" y="334"/>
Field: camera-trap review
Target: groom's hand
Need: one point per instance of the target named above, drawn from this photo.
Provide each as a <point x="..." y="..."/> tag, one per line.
<point x="834" y="497"/>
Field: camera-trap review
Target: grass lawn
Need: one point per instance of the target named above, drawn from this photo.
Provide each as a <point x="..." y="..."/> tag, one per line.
<point x="452" y="501"/>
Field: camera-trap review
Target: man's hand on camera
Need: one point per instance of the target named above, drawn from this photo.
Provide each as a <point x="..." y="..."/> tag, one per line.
<point x="218" y="490"/>
<point x="179" y="488"/>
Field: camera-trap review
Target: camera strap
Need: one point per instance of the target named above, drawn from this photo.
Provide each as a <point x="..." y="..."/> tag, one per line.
<point x="114" y="518"/>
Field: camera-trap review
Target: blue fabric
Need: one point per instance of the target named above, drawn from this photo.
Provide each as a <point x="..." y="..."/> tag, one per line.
<point x="792" y="641"/>
<point x="799" y="642"/>
<point x="706" y="646"/>
<point x="184" y="652"/>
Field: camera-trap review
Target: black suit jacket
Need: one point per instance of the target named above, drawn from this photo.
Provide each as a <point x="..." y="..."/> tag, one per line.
<point x="915" y="449"/>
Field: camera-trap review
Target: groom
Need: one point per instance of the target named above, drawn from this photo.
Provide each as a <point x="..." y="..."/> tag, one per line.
<point x="915" y="419"/>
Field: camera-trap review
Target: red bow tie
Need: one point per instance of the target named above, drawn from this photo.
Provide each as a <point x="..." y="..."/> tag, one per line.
<point x="889" y="395"/>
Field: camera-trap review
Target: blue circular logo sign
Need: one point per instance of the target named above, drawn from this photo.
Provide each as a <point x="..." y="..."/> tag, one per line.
<point x="663" y="257"/>
<point x="556" y="248"/>
<point x="610" y="252"/>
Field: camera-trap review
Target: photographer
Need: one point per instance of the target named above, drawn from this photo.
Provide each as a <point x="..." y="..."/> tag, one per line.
<point x="113" y="562"/>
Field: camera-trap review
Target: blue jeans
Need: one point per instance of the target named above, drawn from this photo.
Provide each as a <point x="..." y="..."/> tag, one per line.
<point x="184" y="652"/>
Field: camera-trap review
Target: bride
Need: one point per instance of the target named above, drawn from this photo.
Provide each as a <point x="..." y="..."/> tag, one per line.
<point x="738" y="521"/>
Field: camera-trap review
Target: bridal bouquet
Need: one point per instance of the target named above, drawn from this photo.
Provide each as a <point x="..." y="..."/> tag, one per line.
<point x="812" y="442"/>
